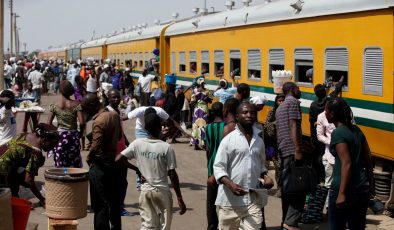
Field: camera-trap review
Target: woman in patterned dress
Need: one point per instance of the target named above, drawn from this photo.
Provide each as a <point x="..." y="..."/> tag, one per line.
<point x="67" y="151"/>
<point x="200" y="98"/>
<point x="22" y="156"/>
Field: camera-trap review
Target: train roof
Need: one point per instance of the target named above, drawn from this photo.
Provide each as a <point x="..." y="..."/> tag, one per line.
<point x="76" y="45"/>
<point x="94" y="43"/>
<point x="139" y="34"/>
<point x="274" y="11"/>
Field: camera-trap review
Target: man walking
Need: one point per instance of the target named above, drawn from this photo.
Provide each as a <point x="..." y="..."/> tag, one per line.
<point x="288" y="125"/>
<point x="104" y="175"/>
<point x="156" y="159"/>
<point x="238" y="167"/>
<point x="213" y="137"/>
<point x="36" y="79"/>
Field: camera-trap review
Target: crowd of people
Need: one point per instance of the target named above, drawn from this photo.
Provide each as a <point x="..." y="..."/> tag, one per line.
<point x="223" y="122"/>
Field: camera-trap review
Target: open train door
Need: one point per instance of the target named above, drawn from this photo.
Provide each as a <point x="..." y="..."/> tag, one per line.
<point x="164" y="67"/>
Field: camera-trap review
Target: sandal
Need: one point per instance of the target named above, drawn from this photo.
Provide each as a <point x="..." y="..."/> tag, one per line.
<point x="288" y="227"/>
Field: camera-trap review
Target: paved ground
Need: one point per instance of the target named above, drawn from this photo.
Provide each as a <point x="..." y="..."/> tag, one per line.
<point x="192" y="174"/>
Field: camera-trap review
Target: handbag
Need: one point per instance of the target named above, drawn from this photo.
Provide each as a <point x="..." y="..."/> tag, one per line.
<point x="298" y="180"/>
<point x="314" y="205"/>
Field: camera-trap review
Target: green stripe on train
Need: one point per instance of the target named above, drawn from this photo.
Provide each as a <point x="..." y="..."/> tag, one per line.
<point x="382" y="107"/>
<point x="363" y="104"/>
<point x="365" y="122"/>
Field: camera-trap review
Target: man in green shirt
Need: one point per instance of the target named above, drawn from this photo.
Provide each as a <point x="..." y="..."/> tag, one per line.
<point x="213" y="137"/>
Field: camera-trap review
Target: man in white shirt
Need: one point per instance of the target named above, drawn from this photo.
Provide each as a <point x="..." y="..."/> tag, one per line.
<point x="104" y="77"/>
<point x="238" y="167"/>
<point x="140" y="113"/>
<point x="8" y="71"/>
<point x="36" y="79"/>
<point x="144" y="80"/>
<point x="7" y="119"/>
<point x="71" y="73"/>
<point x="156" y="160"/>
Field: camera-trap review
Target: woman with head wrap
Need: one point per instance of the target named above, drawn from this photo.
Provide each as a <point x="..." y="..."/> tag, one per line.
<point x="21" y="158"/>
<point x="67" y="111"/>
<point x="200" y="100"/>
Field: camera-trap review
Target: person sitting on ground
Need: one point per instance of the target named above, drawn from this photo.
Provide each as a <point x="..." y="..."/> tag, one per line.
<point x="156" y="160"/>
<point x="21" y="158"/>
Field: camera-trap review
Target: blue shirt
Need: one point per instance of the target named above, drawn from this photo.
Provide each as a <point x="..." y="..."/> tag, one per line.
<point x="224" y="94"/>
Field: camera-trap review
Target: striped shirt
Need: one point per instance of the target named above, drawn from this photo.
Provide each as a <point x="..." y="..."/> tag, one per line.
<point x="288" y="110"/>
<point x="213" y="137"/>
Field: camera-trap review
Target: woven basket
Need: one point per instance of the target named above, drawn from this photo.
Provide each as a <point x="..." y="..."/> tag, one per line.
<point x="66" y="193"/>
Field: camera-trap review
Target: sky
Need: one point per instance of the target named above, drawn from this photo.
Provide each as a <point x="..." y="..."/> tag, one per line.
<point x="45" y="23"/>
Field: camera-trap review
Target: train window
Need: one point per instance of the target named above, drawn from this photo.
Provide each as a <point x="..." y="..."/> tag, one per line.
<point x="173" y="62"/>
<point x="205" y="62"/>
<point x="336" y="65"/>
<point x="303" y="65"/>
<point x="219" y="63"/>
<point x="135" y="59"/>
<point x="182" y="62"/>
<point x="373" y="71"/>
<point x="254" y="64"/>
<point x="141" y="60"/>
<point x="147" y="63"/>
<point x="235" y="62"/>
<point x="193" y="62"/>
<point x="276" y="61"/>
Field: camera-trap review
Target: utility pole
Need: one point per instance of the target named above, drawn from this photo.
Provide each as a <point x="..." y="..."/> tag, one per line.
<point x="16" y="34"/>
<point x="24" y="44"/>
<point x="12" y="26"/>
<point x="1" y="44"/>
<point x="17" y="47"/>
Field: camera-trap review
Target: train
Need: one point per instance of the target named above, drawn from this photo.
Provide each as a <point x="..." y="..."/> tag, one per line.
<point x="353" y="38"/>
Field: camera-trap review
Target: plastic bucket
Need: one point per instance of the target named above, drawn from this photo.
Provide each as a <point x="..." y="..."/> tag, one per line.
<point x="5" y="209"/>
<point x="278" y="83"/>
<point x="20" y="212"/>
<point x="66" y="193"/>
<point x="171" y="79"/>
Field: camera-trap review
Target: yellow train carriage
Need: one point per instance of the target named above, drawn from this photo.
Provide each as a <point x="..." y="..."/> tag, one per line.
<point x="134" y="48"/>
<point x="94" y="49"/>
<point x="351" y="38"/>
<point x="61" y="54"/>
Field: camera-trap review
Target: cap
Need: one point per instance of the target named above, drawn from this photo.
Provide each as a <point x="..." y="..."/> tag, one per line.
<point x="223" y="80"/>
<point x="106" y="66"/>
